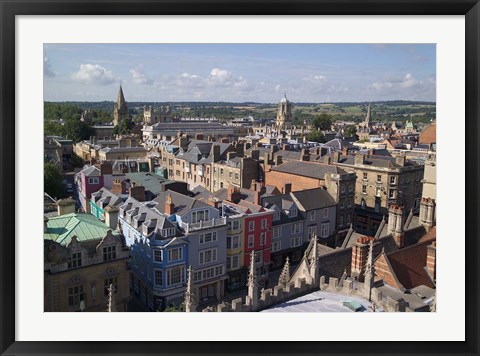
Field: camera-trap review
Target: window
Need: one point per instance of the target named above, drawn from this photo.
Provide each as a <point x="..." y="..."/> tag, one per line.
<point x="157" y="255"/>
<point x="168" y="232"/>
<point x="312" y="231"/>
<point x="276" y="246"/>
<point x="109" y="253"/>
<point x="311" y="215"/>
<point x="365" y="176"/>
<point x="342" y="189"/>
<point x="75" y="261"/>
<point x="349" y="219"/>
<point x="207" y="273"/>
<point x="392" y="194"/>
<point x="93" y="180"/>
<point x="297" y="228"/>
<point x="175" y="275"/>
<point x="264" y="223"/>
<point x="208" y="237"/>
<point x="276" y="215"/>
<point x="236" y="176"/>
<point x="324" y="230"/>
<point x="349" y="203"/>
<point x="251" y="240"/>
<point x="251" y="226"/>
<point x="75" y="295"/>
<point x="207" y="256"/>
<point x="236" y="225"/>
<point x="325" y="212"/>
<point x="364" y="189"/>
<point x="258" y="258"/>
<point x="263" y="239"/>
<point x="276" y="232"/>
<point x="393" y="180"/>
<point x="221" y="171"/>
<point x="295" y="241"/>
<point x="198" y="216"/>
<point x="342" y="204"/>
<point x="175" y="254"/>
<point x="158" y="277"/>
<point x="233" y="261"/>
<point x="350" y="188"/>
<point x="293" y="212"/>
<point x="221" y="184"/>
<point x="106" y="285"/>
<point x="233" y="242"/>
<point x="379" y="178"/>
<point x="177" y="172"/>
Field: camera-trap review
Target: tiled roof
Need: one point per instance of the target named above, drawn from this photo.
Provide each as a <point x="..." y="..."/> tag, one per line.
<point x="316" y="198"/>
<point x="91" y="171"/>
<point x="151" y="181"/>
<point x="308" y="169"/>
<point x="104" y="197"/>
<point x="183" y="204"/>
<point x="85" y="227"/>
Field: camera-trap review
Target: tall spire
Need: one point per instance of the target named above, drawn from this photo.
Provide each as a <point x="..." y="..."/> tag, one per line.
<point x="111" y="299"/>
<point x="285" y="275"/>
<point x="189" y="296"/>
<point x="314" y="267"/>
<point x="252" y="297"/>
<point x="369" y="114"/>
<point x="120" y="108"/>
<point x="369" y="273"/>
<point x="120" y="97"/>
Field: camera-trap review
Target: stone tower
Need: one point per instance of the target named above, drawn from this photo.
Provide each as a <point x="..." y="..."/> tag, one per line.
<point x="120" y="108"/>
<point x="284" y="115"/>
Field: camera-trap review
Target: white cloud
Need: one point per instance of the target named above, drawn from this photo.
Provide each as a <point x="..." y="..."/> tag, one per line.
<point x="47" y="68"/>
<point x="220" y="76"/>
<point x="94" y="74"/>
<point x="139" y="77"/>
<point x="409" y="81"/>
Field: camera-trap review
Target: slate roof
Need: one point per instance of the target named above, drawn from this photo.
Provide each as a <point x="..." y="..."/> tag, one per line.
<point x="283" y="202"/>
<point x="91" y="171"/>
<point x="151" y="181"/>
<point x="311" y="199"/>
<point x="104" y="198"/>
<point x="377" y="161"/>
<point x="85" y="227"/>
<point x="308" y="169"/>
<point x="183" y="204"/>
<point x="123" y="149"/>
<point x="245" y="194"/>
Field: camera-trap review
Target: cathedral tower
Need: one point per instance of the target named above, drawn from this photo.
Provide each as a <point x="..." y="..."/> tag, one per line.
<point x="120" y="108"/>
<point x="284" y="115"/>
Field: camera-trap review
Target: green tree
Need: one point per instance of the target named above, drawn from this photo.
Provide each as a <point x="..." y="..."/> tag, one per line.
<point x="322" y="122"/>
<point x="124" y="127"/>
<point x="53" y="181"/>
<point x="350" y="131"/>
<point x="316" y="136"/>
<point x="76" y="130"/>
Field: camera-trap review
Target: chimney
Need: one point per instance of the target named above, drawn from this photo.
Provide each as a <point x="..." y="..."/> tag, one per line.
<point x="183" y="141"/>
<point x="275" y="148"/>
<point x="111" y="217"/>
<point x="240" y="149"/>
<point x="256" y="154"/>
<point x="432" y="260"/>
<point x="198" y="136"/>
<point x="359" y="257"/>
<point x="45" y="224"/>
<point x="169" y="206"/>
<point x="395" y="224"/>
<point x="66" y="206"/>
<point x="336" y="157"/>
<point x="253" y="186"/>
<point x="215" y="153"/>
<point x="286" y="147"/>
<point x="106" y="168"/>
<point x="278" y="160"/>
<point x="400" y="160"/>
<point x="287" y="188"/>
<point x="359" y="159"/>
<point x="212" y="201"/>
<point x="344" y="151"/>
<point x="137" y="192"/>
<point x="427" y="213"/>
<point x="233" y="194"/>
<point x="327" y="159"/>
<point x="225" y="140"/>
<point x="305" y="155"/>
<point x="119" y="186"/>
<point x="256" y="197"/>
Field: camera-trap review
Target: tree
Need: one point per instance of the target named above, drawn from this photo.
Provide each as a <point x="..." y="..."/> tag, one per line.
<point x="53" y="181"/>
<point x="350" y="131"/>
<point x="316" y="136"/>
<point x="124" y="127"/>
<point x="322" y="122"/>
<point x="76" y="130"/>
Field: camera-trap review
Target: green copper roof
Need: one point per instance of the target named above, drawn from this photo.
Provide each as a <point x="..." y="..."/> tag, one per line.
<point x="84" y="226"/>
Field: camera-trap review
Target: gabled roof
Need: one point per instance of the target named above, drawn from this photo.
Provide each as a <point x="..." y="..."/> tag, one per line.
<point x="91" y="171"/>
<point x="85" y="227"/>
<point x="311" y="199"/>
<point x="182" y="203"/>
<point x="308" y="169"/>
<point x="105" y="198"/>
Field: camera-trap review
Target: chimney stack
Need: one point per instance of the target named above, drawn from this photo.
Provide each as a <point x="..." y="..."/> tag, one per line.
<point x="278" y="160"/>
<point x="395" y="224"/>
<point x="359" y="257"/>
<point x="359" y="159"/>
<point x="305" y="154"/>
<point x="327" y="159"/>
<point x="400" y="160"/>
<point x="256" y="197"/>
<point x="256" y="154"/>
<point x="119" y="186"/>
<point x="344" y="151"/>
<point x="66" y="206"/>
<point x="336" y="157"/>
<point x="287" y="188"/>
<point x="233" y="194"/>
<point x="198" y="136"/>
<point x="111" y="217"/>
<point x="427" y="213"/>
<point x="137" y="192"/>
<point x="215" y="153"/>
<point x="169" y="206"/>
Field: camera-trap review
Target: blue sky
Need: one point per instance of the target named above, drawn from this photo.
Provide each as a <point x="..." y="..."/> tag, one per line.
<point x="240" y="72"/>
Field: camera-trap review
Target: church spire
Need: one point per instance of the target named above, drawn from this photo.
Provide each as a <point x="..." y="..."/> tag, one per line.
<point x="189" y="296"/>
<point x="252" y="297"/>
<point x="120" y="108"/>
<point x="369" y="273"/>
<point x="285" y="275"/>
<point x="120" y="97"/>
<point x="111" y="299"/>
<point x="369" y="114"/>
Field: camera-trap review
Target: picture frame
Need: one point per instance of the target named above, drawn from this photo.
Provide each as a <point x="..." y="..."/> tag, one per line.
<point x="9" y="9"/>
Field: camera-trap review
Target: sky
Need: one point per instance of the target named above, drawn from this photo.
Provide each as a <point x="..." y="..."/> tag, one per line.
<point x="261" y="73"/>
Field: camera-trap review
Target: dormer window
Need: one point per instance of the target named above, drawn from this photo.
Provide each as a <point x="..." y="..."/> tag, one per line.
<point x="276" y="215"/>
<point x="293" y="212"/>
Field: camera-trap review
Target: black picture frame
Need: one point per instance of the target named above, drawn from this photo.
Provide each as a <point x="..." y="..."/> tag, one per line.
<point x="10" y="8"/>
